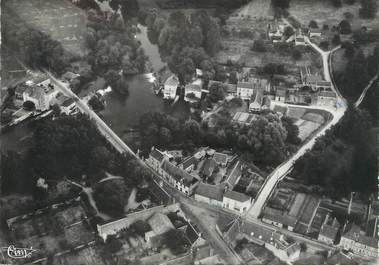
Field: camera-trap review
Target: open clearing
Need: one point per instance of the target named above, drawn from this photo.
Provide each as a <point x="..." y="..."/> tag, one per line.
<point x="61" y="20"/>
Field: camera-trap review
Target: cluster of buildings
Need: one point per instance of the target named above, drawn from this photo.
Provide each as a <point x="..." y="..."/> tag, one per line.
<point x="312" y="90"/>
<point x="311" y="216"/>
<point x="158" y="224"/>
<point x="276" y="32"/>
<point x="281" y="246"/>
<point x="207" y="175"/>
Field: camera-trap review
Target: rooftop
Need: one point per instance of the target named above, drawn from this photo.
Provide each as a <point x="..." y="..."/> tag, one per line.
<point x="172" y="81"/>
<point x="160" y="223"/>
<point x="354" y="233"/>
<point x="210" y="191"/>
<point x="177" y="173"/>
<point x="220" y="158"/>
<point x="68" y="102"/>
<point x="237" y="196"/>
<point x="234" y="175"/>
<point x="156" y="154"/>
<point x="189" y="162"/>
<point x="279" y="216"/>
<point x="328" y="94"/>
<point x="246" y="85"/>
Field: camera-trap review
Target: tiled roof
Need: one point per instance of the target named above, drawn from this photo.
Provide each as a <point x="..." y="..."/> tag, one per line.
<point x="236" y="196"/>
<point x="279" y="216"/>
<point x="220" y="158"/>
<point x="210" y="191"/>
<point x="177" y="173"/>
<point x="235" y="174"/>
<point x="245" y="85"/>
<point x="172" y="81"/>
<point x="354" y="233"/>
<point x="156" y="154"/>
<point x="189" y="162"/>
<point x="328" y="94"/>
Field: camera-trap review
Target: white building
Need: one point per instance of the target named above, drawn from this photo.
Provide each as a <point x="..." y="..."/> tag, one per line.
<point x="210" y="194"/>
<point x="192" y="91"/>
<point x="42" y="95"/>
<point x="170" y="87"/>
<point x="236" y="201"/>
<point x="155" y="160"/>
<point x="245" y="90"/>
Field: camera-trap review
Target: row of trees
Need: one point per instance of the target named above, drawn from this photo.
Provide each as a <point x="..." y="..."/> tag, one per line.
<point x="268" y="138"/>
<point x="344" y="160"/>
<point x="359" y="70"/>
<point x="186" y="42"/>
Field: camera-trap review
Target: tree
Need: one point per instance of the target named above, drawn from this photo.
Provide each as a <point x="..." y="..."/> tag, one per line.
<point x="111" y="197"/>
<point x="288" y="31"/>
<point x="29" y="105"/>
<point x="292" y="131"/>
<point x="369" y="8"/>
<point x="336" y="40"/>
<point x="112" y="244"/>
<point x="337" y="3"/>
<point x="313" y="24"/>
<point x="281" y="3"/>
<point x="192" y="130"/>
<point x="296" y="54"/>
<point x="96" y="104"/>
<point x="258" y="46"/>
<point x="344" y="27"/>
<point x="324" y="45"/>
<point x="216" y="92"/>
<point x="176" y="241"/>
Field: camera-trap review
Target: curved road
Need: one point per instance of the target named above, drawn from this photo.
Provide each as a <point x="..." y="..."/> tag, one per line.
<point x="282" y="170"/>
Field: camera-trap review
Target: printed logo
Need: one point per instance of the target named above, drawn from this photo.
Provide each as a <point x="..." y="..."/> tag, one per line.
<point x="19" y="253"/>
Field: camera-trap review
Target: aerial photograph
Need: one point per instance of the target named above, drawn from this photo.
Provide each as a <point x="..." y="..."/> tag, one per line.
<point x="189" y="132"/>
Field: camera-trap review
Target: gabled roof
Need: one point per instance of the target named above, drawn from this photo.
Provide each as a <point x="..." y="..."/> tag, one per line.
<point x="354" y="233"/>
<point x="160" y="223"/>
<point x="234" y="175"/>
<point x="189" y="162"/>
<point x="240" y="197"/>
<point x="177" y="173"/>
<point x="68" y="102"/>
<point x="220" y="158"/>
<point x="330" y="230"/>
<point x="279" y="216"/>
<point x="172" y="81"/>
<point x="157" y="155"/>
<point x="210" y="191"/>
<point x="247" y="85"/>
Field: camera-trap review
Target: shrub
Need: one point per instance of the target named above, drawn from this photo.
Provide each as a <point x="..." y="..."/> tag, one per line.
<point x="258" y="46"/>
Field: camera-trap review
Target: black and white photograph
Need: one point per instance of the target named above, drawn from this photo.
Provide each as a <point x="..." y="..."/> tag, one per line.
<point x="189" y="132"/>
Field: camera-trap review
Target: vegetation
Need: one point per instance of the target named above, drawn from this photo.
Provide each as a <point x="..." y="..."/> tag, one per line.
<point x="187" y="43"/>
<point x="96" y="103"/>
<point x="368" y="9"/>
<point x="359" y="70"/>
<point x="266" y="138"/>
<point x="111" y="197"/>
<point x="344" y="160"/>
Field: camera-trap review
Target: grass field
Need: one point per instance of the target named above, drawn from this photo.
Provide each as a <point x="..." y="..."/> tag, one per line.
<point x="61" y="20"/>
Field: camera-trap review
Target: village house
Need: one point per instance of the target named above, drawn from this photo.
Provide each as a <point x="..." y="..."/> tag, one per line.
<point x="42" y="95"/>
<point x="329" y="230"/>
<point x="236" y="201"/>
<point x="179" y="178"/>
<point x="193" y="91"/>
<point x="170" y="87"/>
<point x="68" y="77"/>
<point x="358" y="242"/>
<point x="210" y="194"/>
<point x="68" y="106"/>
<point x="221" y="159"/>
<point x="271" y="239"/>
<point x="234" y="176"/>
<point x="278" y="218"/>
<point x="155" y="160"/>
<point x="300" y="39"/>
<point x="160" y="224"/>
<point x="256" y="101"/>
<point x="314" y="32"/>
<point x="280" y="94"/>
<point x="189" y="164"/>
<point x="327" y="98"/>
<point x="245" y="90"/>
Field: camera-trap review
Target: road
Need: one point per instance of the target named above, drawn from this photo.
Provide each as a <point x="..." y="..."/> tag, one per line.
<point x="360" y="99"/>
<point x="285" y="168"/>
<point x="111" y="136"/>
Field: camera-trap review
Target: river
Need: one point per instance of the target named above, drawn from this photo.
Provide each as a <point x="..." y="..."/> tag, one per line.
<point x="122" y="113"/>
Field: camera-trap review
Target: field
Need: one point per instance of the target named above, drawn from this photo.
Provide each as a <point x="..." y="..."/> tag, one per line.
<point x="323" y="12"/>
<point x="61" y="20"/>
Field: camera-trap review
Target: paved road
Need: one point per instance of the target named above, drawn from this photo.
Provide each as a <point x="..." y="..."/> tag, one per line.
<point x="282" y="170"/>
